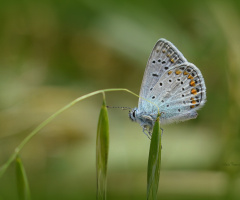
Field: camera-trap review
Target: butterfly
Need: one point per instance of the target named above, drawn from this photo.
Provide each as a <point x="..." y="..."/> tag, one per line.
<point x="171" y="85"/>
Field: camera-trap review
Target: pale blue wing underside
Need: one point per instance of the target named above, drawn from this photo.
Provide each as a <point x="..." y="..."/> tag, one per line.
<point x="178" y="93"/>
<point x="164" y="56"/>
<point x="172" y="84"/>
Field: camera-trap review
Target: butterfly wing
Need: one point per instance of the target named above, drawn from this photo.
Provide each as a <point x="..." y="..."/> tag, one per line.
<point x="179" y="93"/>
<point x="164" y="56"/>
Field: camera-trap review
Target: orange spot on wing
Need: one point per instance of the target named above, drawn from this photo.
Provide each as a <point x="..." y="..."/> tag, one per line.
<point x="172" y="60"/>
<point x="178" y="72"/>
<point x="192" y="83"/>
<point x="193" y="102"/>
<point x="194" y="91"/>
<point x="192" y="106"/>
<point x="190" y="76"/>
<point x="169" y="72"/>
<point x="185" y="73"/>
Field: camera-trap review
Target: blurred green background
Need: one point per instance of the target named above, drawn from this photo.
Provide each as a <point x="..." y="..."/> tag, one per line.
<point x="53" y="51"/>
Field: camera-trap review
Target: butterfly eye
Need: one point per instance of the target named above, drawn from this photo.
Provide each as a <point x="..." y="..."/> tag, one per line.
<point x="134" y="113"/>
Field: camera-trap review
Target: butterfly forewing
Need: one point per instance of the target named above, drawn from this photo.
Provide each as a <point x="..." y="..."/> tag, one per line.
<point x="164" y="56"/>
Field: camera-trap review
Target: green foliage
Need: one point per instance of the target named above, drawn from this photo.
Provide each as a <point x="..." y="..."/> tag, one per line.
<point x="4" y="167"/>
<point x="22" y="181"/>
<point x="154" y="162"/>
<point x="102" y="146"/>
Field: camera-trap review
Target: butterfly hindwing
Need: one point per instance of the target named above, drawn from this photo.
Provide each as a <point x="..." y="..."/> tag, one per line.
<point x="179" y="92"/>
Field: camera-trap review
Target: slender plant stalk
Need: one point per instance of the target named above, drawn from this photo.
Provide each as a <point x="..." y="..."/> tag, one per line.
<point x="22" y="181"/>
<point x="154" y="162"/>
<point x="4" y="167"/>
<point x="102" y="146"/>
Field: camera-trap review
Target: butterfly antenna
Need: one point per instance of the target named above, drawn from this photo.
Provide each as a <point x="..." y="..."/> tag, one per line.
<point x="123" y="108"/>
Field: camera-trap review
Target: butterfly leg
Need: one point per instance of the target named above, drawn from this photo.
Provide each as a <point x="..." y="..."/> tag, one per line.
<point x="162" y="131"/>
<point x="146" y="133"/>
<point x="149" y="134"/>
<point x="161" y="135"/>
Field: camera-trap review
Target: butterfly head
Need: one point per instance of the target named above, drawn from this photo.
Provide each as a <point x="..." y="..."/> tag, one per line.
<point x="132" y="114"/>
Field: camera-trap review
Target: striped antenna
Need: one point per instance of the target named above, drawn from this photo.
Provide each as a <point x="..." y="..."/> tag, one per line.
<point x="123" y="108"/>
